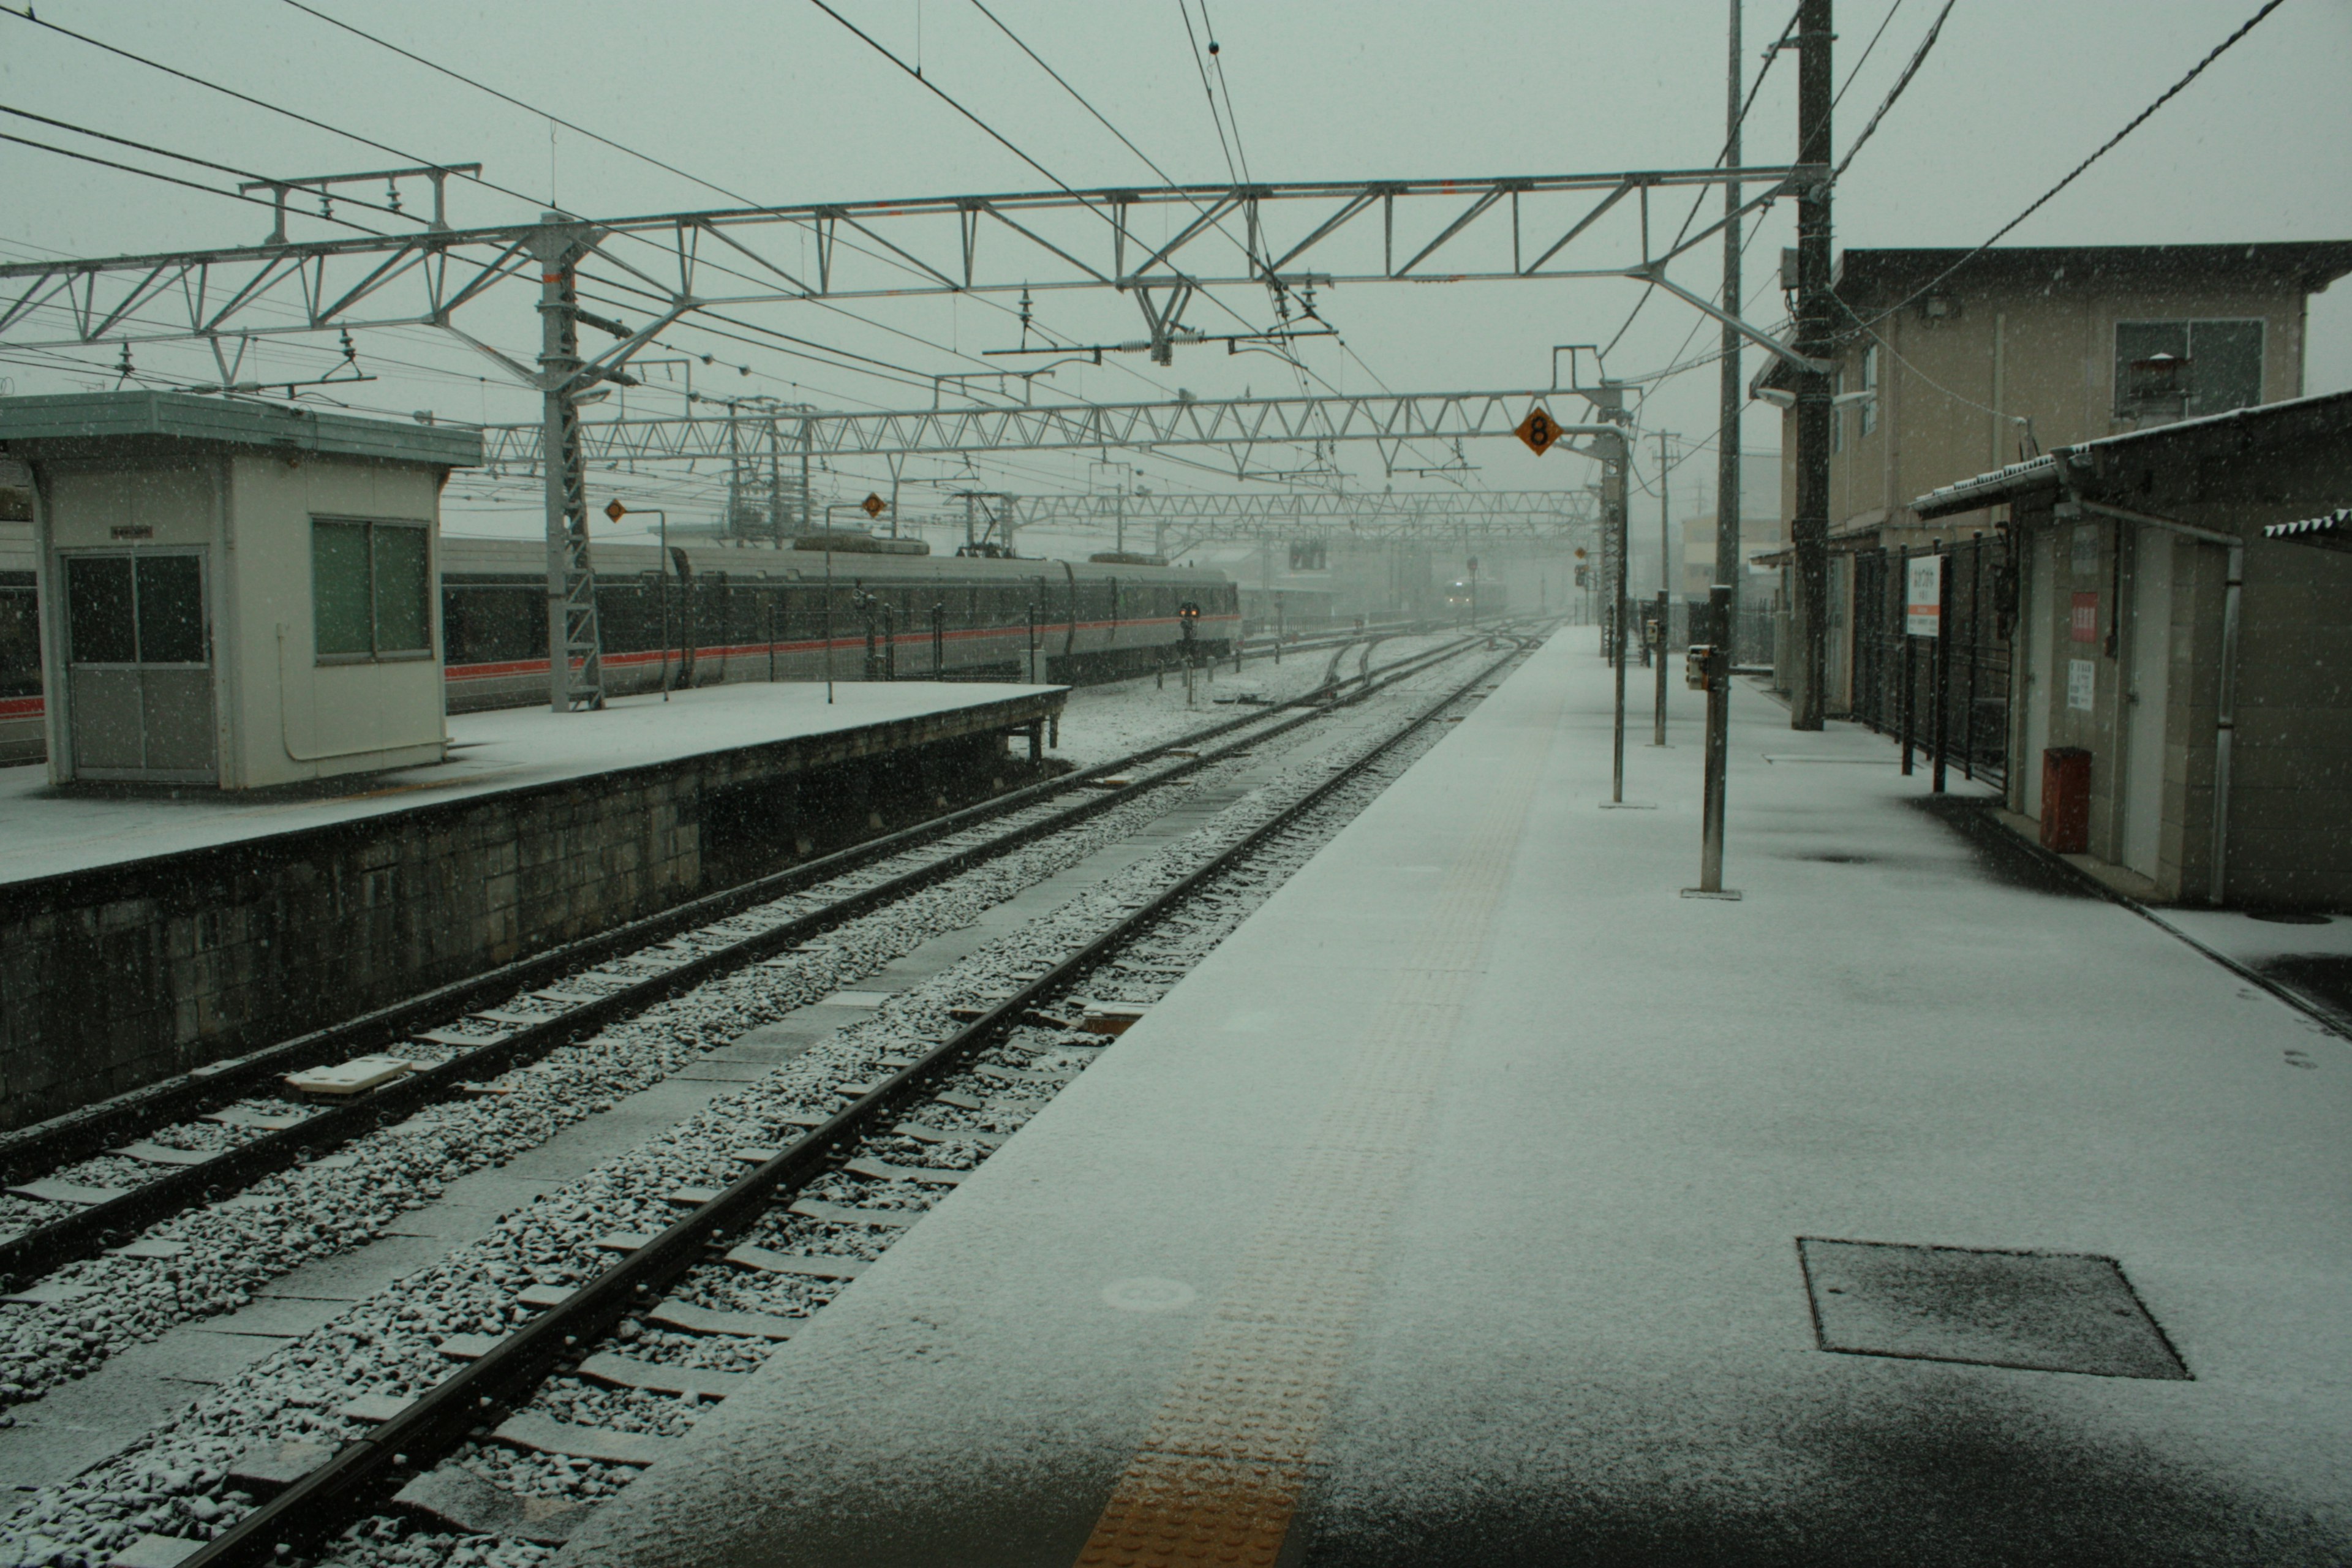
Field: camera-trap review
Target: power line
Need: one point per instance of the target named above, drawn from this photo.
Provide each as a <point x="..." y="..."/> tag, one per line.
<point x="934" y="89"/>
<point x="1231" y="119"/>
<point x="1209" y="92"/>
<point x="1288" y="352"/>
<point x="1917" y="59"/>
<point x="2139" y="120"/>
<point x="598" y="137"/>
<point x="155" y="174"/>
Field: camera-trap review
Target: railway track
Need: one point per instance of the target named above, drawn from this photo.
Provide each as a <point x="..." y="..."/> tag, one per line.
<point x="1005" y="1059"/>
<point x="817" y="1196"/>
<point x="201" y="1159"/>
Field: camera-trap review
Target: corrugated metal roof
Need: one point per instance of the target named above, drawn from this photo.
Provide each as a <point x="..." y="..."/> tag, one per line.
<point x="2336" y="522"/>
<point x="1985" y="490"/>
<point x="82" y="418"/>
<point x="2040" y="473"/>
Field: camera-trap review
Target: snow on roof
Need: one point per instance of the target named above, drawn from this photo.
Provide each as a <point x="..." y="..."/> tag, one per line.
<point x="2042" y="473"/>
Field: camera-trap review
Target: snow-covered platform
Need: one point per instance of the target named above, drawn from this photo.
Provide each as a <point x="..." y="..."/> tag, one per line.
<point x="1484" y="1201"/>
<point x="45" y="831"/>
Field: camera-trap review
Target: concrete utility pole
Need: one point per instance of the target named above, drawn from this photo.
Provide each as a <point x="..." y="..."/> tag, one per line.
<point x="572" y="630"/>
<point x="1810" y="529"/>
<point x="1728" y="565"/>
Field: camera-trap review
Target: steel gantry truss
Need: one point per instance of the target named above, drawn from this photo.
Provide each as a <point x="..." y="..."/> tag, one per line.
<point x="1239" y="424"/>
<point x="1330" y="514"/>
<point x="1162" y="246"/>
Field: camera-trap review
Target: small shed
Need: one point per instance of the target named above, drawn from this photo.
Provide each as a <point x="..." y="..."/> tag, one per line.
<point x="2183" y="645"/>
<point x="232" y="593"/>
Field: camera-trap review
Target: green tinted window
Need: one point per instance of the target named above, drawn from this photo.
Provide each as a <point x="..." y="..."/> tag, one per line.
<point x="403" y="613"/>
<point x="2225" y="365"/>
<point x="338" y="588"/>
<point x="2176" y="368"/>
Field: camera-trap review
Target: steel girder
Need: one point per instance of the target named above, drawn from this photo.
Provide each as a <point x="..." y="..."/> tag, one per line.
<point x="1292" y="236"/>
<point x="1239" y="424"/>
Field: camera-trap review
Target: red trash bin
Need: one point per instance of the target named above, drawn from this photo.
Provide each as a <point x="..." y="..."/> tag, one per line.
<point x="2067" y="800"/>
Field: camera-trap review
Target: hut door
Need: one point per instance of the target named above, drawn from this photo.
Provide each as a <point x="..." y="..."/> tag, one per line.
<point x="2147" y="694"/>
<point x="139" y="665"/>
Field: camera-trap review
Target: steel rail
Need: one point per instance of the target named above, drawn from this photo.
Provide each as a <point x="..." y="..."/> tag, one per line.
<point x="90" y="1229"/>
<point x="363" y="1474"/>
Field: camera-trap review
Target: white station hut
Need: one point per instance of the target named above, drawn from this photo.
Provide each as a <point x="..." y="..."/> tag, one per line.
<point x="235" y="593"/>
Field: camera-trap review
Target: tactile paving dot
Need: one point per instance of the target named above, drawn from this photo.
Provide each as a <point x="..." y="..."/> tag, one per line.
<point x="2042" y="1311"/>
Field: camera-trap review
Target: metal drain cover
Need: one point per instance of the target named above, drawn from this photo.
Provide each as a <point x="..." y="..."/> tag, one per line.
<point x="2040" y="1311"/>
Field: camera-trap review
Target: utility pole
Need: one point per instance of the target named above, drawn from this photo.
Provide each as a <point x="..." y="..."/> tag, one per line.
<point x="1728" y="567"/>
<point x="1615" y="465"/>
<point x="1810" y="529"/>
<point x="573" y="636"/>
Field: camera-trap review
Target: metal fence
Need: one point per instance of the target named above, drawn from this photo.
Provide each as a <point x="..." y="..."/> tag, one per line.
<point x="1948" y="695"/>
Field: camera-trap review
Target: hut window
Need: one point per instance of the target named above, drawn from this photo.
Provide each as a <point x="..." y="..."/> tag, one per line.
<point x="371" y="590"/>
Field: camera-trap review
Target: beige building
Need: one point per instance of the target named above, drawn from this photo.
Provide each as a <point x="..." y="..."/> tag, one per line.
<point x="2022" y="351"/>
<point x="2026" y="351"/>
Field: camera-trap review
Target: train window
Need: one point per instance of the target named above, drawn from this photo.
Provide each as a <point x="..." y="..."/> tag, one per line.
<point x="20" y="641"/>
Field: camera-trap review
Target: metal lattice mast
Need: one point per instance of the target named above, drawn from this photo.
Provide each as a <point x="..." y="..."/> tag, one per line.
<point x="575" y="668"/>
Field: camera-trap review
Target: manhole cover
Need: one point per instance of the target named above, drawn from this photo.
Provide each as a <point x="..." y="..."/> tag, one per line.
<point x="2039" y="1310"/>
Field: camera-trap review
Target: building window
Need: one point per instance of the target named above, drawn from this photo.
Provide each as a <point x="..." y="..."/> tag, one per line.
<point x="371" y="590"/>
<point x="1870" y="385"/>
<point x="2181" y="368"/>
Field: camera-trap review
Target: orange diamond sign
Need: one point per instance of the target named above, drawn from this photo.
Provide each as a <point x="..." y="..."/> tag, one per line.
<point x="1538" y="430"/>
<point x="875" y="505"/>
<point x="615" y="510"/>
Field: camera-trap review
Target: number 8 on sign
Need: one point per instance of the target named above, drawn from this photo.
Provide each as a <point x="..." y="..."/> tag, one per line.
<point x="1538" y="430"/>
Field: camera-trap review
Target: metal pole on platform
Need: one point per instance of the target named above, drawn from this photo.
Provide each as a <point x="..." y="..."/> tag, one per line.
<point x="1729" y="568"/>
<point x="1712" y="662"/>
<point x="1613" y="502"/>
<point x="1658" y="736"/>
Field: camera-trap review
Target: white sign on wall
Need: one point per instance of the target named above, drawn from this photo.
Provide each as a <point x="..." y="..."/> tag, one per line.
<point x="2083" y="556"/>
<point x="2082" y="678"/>
<point x="1923" y="598"/>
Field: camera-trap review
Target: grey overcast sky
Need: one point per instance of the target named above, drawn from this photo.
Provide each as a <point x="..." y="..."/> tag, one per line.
<point x="778" y="100"/>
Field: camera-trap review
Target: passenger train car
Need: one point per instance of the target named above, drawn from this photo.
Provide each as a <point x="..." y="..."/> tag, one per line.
<point x="721" y="614"/>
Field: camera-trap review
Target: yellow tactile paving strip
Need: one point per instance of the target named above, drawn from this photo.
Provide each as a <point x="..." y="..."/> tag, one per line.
<point x="1222" y="1466"/>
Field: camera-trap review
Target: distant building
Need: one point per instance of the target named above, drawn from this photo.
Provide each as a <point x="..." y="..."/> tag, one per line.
<point x="1757" y="536"/>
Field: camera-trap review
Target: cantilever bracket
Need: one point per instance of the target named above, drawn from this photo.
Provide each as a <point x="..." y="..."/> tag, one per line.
<point x="1656" y="273"/>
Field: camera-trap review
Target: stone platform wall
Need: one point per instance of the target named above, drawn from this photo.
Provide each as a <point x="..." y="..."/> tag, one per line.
<point x="118" y="977"/>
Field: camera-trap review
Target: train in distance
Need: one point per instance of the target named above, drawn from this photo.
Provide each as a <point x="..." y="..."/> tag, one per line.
<point x="1486" y="596"/>
<point x="706" y="614"/>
